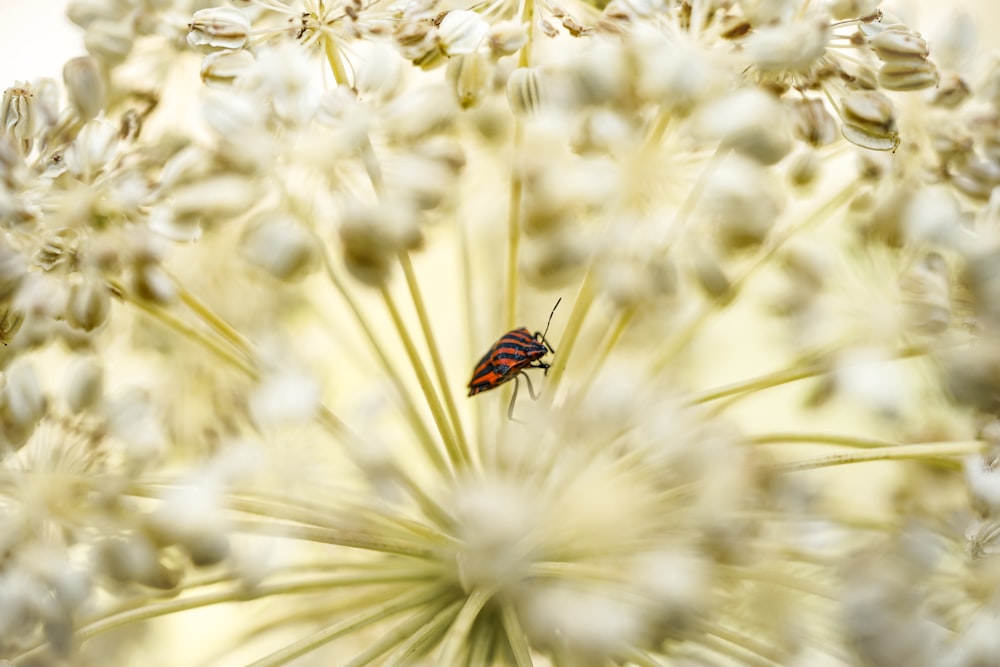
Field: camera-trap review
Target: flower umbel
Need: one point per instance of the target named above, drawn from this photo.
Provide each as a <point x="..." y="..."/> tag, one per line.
<point x="252" y="249"/>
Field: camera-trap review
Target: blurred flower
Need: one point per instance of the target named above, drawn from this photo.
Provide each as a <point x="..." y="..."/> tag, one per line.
<point x="246" y="268"/>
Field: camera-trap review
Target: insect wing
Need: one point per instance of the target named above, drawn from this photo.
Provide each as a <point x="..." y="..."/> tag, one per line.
<point x="484" y="377"/>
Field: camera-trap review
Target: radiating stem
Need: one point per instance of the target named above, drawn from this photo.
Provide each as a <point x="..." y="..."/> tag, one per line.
<point x="335" y="60"/>
<point x="430" y="629"/>
<point x="436" y="362"/>
<point x="460" y="629"/>
<point x="800" y="371"/>
<point x="611" y="339"/>
<point x="564" y="349"/>
<point x="209" y="317"/>
<point x="514" y="204"/>
<point x="413" y="418"/>
<point x="150" y="609"/>
<point x="337" y="537"/>
<point x="820" y="439"/>
<point x="423" y="379"/>
<point x="409" y="600"/>
<point x="423" y="626"/>
<point x="929" y="451"/>
<point x="515" y="635"/>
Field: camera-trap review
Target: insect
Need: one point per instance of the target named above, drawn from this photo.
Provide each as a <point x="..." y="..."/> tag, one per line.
<point x="515" y="352"/>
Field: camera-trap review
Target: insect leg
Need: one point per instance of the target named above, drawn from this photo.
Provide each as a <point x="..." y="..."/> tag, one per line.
<point x="531" y="390"/>
<point x="513" y="397"/>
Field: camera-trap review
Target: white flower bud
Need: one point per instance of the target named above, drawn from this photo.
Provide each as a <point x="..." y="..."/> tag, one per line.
<point x="151" y="282"/>
<point x="48" y="94"/>
<point x="469" y="76"/>
<point x="708" y="272"/>
<point x="233" y="114"/>
<point x="93" y="149"/>
<point x="22" y="402"/>
<point x="926" y="289"/>
<point x="169" y="223"/>
<point x="460" y="32"/>
<point x="525" y="90"/>
<point x="742" y="202"/>
<point x="282" y="247"/>
<point x="869" y="120"/>
<point x="214" y="197"/>
<point x="977" y="177"/>
<point x="110" y="41"/>
<point x="221" y="68"/>
<point x="812" y="122"/>
<point x="414" y="115"/>
<point x="794" y="46"/>
<point x="89" y="304"/>
<point x="372" y="236"/>
<point x="219" y="27"/>
<point x="897" y="43"/>
<point x="952" y="91"/>
<point x="85" y="12"/>
<point x="507" y="37"/>
<point x="805" y="167"/>
<point x="133" y="422"/>
<point x="380" y="74"/>
<point x="851" y="9"/>
<point x="18" y="116"/>
<point x="908" y="75"/>
<point x="84" y="86"/>
<point x="285" y="398"/>
<point x="751" y="122"/>
<point x="680" y="75"/>
<point x="135" y="559"/>
<point x="84" y="384"/>
<point x="12" y="269"/>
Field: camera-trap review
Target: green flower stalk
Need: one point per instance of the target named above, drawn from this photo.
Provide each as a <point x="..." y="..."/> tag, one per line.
<point x="252" y="250"/>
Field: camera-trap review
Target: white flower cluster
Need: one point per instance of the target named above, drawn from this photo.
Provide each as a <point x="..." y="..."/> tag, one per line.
<point x="250" y="250"/>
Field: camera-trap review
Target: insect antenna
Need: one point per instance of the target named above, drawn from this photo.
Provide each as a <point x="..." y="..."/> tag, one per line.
<point x="547" y="324"/>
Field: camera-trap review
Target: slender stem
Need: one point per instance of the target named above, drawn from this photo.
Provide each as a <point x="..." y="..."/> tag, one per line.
<point x="929" y="451"/>
<point x="459" y="632"/>
<point x="409" y="636"/>
<point x="342" y="538"/>
<point x="528" y="17"/>
<point x="514" y="227"/>
<point x="642" y="658"/>
<point x="745" y="650"/>
<point x="430" y="630"/>
<point x="219" y="325"/>
<point x="800" y="371"/>
<point x="820" y="439"/>
<point x="409" y="600"/>
<point x="611" y="339"/>
<point x="239" y="593"/>
<point x="436" y="362"/>
<point x="784" y="579"/>
<point x="515" y="636"/>
<point x="430" y="447"/>
<point x="584" y="299"/>
<point x="242" y="361"/>
<point x="426" y="386"/>
<point x="335" y="60"/>
<point x="465" y="256"/>
<point x="172" y="321"/>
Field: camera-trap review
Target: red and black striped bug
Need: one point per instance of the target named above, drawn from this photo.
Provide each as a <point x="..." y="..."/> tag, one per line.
<point x="515" y="352"/>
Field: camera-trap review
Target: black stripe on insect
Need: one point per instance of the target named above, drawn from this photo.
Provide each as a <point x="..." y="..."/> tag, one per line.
<point x="508" y="358"/>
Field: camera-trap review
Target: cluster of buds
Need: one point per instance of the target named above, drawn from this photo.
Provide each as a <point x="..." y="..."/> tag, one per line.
<point x="904" y="59"/>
